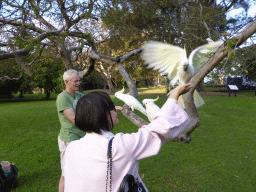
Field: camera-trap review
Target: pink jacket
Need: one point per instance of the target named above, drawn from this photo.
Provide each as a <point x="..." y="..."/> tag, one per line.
<point x="86" y="159"/>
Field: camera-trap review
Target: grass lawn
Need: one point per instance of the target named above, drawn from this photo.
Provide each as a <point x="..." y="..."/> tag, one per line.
<point x="220" y="157"/>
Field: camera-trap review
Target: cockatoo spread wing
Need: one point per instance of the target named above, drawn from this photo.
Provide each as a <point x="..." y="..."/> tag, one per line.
<point x="163" y="57"/>
<point x="200" y="55"/>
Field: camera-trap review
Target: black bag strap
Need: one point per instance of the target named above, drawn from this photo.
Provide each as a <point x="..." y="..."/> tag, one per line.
<point x="110" y="148"/>
<point x="2" y="178"/>
<point x="128" y="179"/>
<point x="109" y="155"/>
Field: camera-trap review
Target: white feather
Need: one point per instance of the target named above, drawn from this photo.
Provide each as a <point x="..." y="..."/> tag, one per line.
<point x="151" y="108"/>
<point x="131" y="101"/>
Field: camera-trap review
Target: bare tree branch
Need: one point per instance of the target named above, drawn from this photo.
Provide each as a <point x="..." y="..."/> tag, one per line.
<point x="9" y="78"/>
<point x="17" y="23"/>
<point x="133" y="117"/>
<point x="203" y="21"/>
<point x="63" y="12"/>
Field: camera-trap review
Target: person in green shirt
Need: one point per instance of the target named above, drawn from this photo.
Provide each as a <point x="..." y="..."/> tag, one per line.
<point x="66" y="107"/>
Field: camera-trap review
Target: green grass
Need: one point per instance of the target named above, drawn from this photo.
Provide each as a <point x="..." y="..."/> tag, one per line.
<point x="220" y="157"/>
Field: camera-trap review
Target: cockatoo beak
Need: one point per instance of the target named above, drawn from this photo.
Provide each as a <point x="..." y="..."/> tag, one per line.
<point x="185" y="67"/>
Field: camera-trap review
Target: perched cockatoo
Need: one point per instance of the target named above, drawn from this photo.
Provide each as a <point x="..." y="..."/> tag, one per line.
<point x="151" y="107"/>
<point x="131" y="101"/>
<point x="173" y="61"/>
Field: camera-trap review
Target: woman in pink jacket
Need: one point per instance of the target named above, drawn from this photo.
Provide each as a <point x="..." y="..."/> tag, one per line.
<point x="86" y="159"/>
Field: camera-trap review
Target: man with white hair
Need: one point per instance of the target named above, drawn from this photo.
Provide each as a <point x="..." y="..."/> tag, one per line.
<point x="66" y="106"/>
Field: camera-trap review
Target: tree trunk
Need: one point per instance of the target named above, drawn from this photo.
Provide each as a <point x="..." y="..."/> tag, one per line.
<point x="21" y="94"/>
<point x="66" y="57"/>
<point x="108" y="80"/>
<point x="47" y="97"/>
<point x="200" y="86"/>
<point x="111" y="86"/>
<point x="106" y="75"/>
<point x="129" y="81"/>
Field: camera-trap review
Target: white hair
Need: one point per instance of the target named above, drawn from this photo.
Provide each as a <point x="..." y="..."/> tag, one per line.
<point x="68" y="73"/>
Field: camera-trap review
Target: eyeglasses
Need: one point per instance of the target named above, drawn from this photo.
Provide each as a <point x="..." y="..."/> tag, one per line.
<point x="76" y="81"/>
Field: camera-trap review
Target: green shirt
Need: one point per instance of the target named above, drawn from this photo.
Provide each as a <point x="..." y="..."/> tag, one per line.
<point x="68" y="132"/>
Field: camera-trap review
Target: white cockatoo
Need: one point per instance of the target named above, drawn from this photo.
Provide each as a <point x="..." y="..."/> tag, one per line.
<point x="131" y="101"/>
<point x="151" y="107"/>
<point x="173" y="61"/>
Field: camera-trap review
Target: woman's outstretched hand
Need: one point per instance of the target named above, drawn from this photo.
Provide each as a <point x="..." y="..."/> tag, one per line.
<point x="180" y="90"/>
<point x="119" y="108"/>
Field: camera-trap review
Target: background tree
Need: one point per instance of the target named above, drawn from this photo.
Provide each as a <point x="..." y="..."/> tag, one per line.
<point x="12" y="79"/>
<point x="178" y="22"/>
<point x="28" y="25"/>
<point x="246" y="59"/>
<point x="46" y="73"/>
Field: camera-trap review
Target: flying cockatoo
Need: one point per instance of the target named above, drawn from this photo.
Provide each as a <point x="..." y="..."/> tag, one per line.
<point x="173" y="61"/>
<point x="131" y="101"/>
<point x="151" y="107"/>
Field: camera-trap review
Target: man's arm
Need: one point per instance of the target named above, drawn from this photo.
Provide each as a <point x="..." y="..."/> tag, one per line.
<point x="70" y="114"/>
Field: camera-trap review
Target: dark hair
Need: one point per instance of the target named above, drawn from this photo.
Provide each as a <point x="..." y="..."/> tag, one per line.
<point x="93" y="112"/>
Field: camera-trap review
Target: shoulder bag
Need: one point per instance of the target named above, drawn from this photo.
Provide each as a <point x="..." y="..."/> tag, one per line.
<point x="128" y="183"/>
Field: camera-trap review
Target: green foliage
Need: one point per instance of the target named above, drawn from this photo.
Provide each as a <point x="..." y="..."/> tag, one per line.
<point x="15" y="80"/>
<point x="247" y="59"/>
<point x="232" y="44"/>
<point x="92" y="81"/>
<point x="7" y="87"/>
<point x="10" y="68"/>
<point x="47" y="73"/>
<point x="176" y="22"/>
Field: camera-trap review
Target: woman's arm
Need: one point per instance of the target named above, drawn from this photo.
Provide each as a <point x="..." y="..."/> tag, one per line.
<point x="166" y="125"/>
<point x="180" y="90"/>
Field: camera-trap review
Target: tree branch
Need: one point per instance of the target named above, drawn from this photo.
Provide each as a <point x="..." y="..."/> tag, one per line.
<point x="9" y="78"/>
<point x="133" y="117"/>
<point x="63" y="11"/>
<point x="220" y="54"/>
<point x="17" y="23"/>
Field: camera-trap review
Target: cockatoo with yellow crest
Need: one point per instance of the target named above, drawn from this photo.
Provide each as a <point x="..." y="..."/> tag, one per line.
<point x="173" y="61"/>
<point x="151" y="107"/>
<point x="131" y="101"/>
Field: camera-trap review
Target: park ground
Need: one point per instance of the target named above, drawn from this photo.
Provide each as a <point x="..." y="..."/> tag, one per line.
<point x="220" y="157"/>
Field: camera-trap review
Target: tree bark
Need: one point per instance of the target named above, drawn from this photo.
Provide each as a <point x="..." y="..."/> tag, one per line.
<point x="107" y="78"/>
<point x="129" y="81"/>
<point x="48" y="94"/>
<point x="133" y="117"/>
<point x="118" y="60"/>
